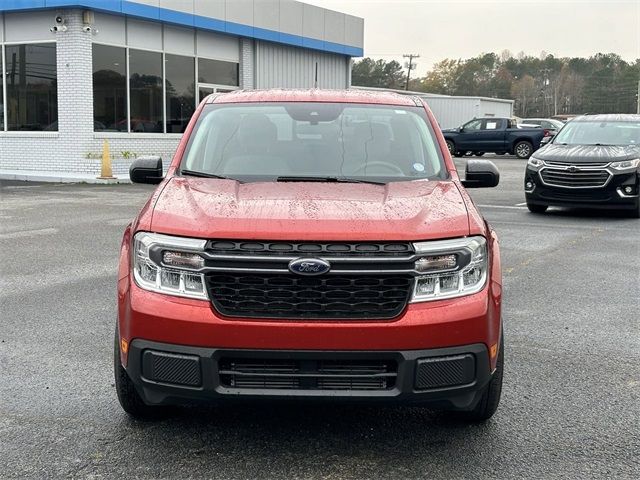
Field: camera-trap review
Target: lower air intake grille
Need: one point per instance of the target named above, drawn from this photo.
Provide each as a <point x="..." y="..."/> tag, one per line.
<point x="272" y="374"/>
<point x="445" y="371"/>
<point x="575" y="196"/>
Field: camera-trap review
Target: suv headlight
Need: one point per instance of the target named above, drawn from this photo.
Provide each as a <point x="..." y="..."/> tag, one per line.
<point x="170" y="265"/>
<point x="535" y="163"/>
<point x="625" y="164"/>
<point x="452" y="268"/>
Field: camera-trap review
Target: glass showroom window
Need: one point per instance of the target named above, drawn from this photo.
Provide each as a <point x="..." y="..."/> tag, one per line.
<point x="218" y="72"/>
<point x="180" y="89"/>
<point x="145" y="91"/>
<point x="32" y="87"/>
<point x="109" y="88"/>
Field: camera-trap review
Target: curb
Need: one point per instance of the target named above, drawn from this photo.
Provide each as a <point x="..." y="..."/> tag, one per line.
<point x="59" y="177"/>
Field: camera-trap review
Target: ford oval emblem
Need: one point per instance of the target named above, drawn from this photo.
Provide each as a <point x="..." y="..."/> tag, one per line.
<point x="309" y="266"/>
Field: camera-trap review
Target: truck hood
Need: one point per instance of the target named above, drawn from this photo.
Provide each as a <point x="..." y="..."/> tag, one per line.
<point x="212" y="208"/>
<point x="587" y="153"/>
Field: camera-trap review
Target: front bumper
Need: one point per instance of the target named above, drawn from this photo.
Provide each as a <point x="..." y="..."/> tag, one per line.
<point x="611" y="195"/>
<point x="182" y="321"/>
<point x="167" y="374"/>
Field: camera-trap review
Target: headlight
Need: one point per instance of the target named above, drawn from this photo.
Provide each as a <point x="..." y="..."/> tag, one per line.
<point x="625" y="164"/>
<point x="456" y="267"/>
<point x="166" y="264"/>
<point x="535" y="163"/>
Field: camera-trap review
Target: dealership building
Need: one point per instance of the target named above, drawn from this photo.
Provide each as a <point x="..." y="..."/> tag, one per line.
<point x="77" y="72"/>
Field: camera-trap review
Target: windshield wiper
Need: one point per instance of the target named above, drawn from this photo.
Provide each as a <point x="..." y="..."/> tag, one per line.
<point x="194" y="173"/>
<point x="327" y="179"/>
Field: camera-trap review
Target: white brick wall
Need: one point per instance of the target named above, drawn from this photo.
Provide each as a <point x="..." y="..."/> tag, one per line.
<point x="67" y="150"/>
<point x="247" y="64"/>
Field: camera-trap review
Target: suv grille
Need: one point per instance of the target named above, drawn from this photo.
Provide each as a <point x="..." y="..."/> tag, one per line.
<point x="366" y="281"/>
<point x="581" y="178"/>
<point x="294" y="374"/>
<point x="293" y="296"/>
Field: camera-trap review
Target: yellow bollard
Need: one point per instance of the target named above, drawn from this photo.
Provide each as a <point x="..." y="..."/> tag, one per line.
<point x="105" y="171"/>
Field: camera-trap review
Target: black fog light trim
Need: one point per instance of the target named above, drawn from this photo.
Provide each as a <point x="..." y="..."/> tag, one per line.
<point x="440" y="372"/>
<point x="171" y="368"/>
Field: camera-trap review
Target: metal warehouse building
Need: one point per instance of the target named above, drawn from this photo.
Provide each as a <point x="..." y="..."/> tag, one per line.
<point x="452" y="111"/>
<point x="78" y="72"/>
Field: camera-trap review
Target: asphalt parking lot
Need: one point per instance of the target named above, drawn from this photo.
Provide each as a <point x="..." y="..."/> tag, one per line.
<point x="570" y="406"/>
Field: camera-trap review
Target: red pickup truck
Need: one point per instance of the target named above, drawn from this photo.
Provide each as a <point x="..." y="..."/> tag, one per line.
<point x="310" y="245"/>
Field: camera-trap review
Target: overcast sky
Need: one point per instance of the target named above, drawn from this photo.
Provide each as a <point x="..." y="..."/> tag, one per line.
<point x="438" y="29"/>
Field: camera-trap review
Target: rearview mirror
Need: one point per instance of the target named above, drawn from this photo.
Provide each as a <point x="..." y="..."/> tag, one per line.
<point x="146" y="169"/>
<point x="481" y="174"/>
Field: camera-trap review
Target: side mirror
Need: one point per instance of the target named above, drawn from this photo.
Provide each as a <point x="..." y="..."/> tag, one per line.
<point x="481" y="174"/>
<point x="461" y="129"/>
<point x="146" y="169"/>
<point x="546" y="140"/>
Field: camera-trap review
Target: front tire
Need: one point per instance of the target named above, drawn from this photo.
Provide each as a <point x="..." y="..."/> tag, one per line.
<point x="479" y="154"/>
<point x="523" y="149"/>
<point x="452" y="148"/>
<point x="535" y="208"/>
<point x="128" y="396"/>
<point x="490" y="399"/>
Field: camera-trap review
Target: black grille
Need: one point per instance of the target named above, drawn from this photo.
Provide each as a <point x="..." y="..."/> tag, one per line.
<point x="292" y="296"/>
<point x="171" y="368"/>
<point x="577" y="179"/>
<point x="582" y="164"/>
<point x="307" y="374"/>
<point x="230" y="247"/>
<point x="445" y="371"/>
<point x="576" y="196"/>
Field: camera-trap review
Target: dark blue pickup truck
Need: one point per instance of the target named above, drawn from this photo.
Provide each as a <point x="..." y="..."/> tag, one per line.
<point x="496" y="135"/>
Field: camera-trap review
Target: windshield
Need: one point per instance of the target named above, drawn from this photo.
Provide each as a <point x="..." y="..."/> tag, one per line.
<point x="599" y="133"/>
<point x="557" y="124"/>
<point x="267" y="141"/>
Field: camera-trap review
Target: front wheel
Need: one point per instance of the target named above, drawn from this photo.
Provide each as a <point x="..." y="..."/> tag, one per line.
<point x="479" y="154"/>
<point x="128" y="396"/>
<point x="523" y="149"/>
<point x="451" y="147"/>
<point x="534" y="208"/>
<point x="490" y="399"/>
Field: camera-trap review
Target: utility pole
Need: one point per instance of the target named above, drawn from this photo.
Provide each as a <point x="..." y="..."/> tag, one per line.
<point x="638" y="99"/>
<point x="410" y="66"/>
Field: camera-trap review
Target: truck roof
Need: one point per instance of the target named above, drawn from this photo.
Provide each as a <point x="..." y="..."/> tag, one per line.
<point x="315" y="95"/>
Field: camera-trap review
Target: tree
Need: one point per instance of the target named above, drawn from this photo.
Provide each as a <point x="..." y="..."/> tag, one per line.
<point x="541" y="85"/>
<point x="523" y="91"/>
<point x="377" y="73"/>
<point x="441" y="79"/>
